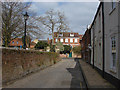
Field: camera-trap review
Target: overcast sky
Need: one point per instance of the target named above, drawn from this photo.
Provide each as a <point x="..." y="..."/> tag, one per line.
<point x="79" y="14"/>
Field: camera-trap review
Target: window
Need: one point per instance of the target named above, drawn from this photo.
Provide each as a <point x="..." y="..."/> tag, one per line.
<point x="60" y="35"/>
<point x="113" y="41"/>
<point x="66" y="40"/>
<point x="76" y="40"/>
<point x="17" y="42"/>
<point x="56" y="40"/>
<point x="99" y="22"/>
<point x="113" y="59"/>
<point x="71" y="40"/>
<point x="72" y="35"/>
<point x="113" y="46"/>
<point x="113" y="4"/>
<point x="12" y="42"/>
<point x="61" y="40"/>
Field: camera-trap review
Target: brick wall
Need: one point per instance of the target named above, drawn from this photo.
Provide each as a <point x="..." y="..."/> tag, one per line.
<point x="18" y="63"/>
<point x="86" y="41"/>
<point x="69" y="43"/>
<point x="16" y="42"/>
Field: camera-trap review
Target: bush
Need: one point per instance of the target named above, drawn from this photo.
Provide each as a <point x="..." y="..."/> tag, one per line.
<point x="59" y="47"/>
<point x="67" y="49"/>
<point x="52" y="48"/>
<point x="77" y="50"/>
<point x="41" y="45"/>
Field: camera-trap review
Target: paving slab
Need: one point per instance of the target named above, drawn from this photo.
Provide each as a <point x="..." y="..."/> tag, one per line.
<point x="93" y="78"/>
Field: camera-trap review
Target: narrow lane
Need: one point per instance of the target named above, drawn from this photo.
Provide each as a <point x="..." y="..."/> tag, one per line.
<point x="65" y="74"/>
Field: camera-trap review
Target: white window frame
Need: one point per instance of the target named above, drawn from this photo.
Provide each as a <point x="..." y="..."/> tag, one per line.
<point x="66" y="40"/>
<point x="56" y="40"/>
<point x="61" y="34"/>
<point x="72" y="35"/>
<point x="71" y="40"/>
<point x="61" y="40"/>
<point x="76" y="40"/>
<point x="113" y="51"/>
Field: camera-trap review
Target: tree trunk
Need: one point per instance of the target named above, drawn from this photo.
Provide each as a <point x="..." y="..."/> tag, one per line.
<point x="53" y="34"/>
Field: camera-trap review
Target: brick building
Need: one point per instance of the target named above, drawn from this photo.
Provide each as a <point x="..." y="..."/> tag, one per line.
<point x="17" y="42"/>
<point x="85" y="43"/>
<point x="32" y="45"/>
<point x="67" y="38"/>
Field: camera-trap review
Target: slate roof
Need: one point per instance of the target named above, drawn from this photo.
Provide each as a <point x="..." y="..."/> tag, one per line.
<point x="67" y="34"/>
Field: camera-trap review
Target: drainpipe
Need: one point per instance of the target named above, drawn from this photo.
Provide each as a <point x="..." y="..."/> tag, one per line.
<point x="103" y="40"/>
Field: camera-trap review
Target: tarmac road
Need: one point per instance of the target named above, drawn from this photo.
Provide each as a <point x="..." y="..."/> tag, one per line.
<point x="64" y="74"/>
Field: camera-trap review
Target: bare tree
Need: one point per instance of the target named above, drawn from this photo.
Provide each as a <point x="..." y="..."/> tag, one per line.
<point x="54" y="20"/>
<point x="13" y="21"/>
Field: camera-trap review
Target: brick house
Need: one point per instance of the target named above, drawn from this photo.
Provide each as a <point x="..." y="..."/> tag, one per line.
<point x="17" y="42"/>
<point x="85" y="43"/>
<point x="32" y="45"/>
<point x="67" y="38"/>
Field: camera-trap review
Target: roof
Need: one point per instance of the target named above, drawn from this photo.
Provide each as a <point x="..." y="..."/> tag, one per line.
<point x="100" y="5"/>
<point x="32" y="43"/>
<point x="67" y="34"/>
<point x="43" y="40"/>
<point x="18" y="39"/>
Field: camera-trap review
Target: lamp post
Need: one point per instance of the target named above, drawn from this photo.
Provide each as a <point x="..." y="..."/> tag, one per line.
<point x="26" y="16"/>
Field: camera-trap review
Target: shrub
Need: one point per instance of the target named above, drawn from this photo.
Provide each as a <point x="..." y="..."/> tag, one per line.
<point x="67" y="49"/>
<point x="41" y="45"/>
<point x="52" y="48"/>
<point x="77" y="50"/>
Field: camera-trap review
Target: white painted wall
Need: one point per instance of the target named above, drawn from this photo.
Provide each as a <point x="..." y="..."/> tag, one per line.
<point x="111" y="29"/>
<point x="98" y="40"/>
<point x="119" y="40"/>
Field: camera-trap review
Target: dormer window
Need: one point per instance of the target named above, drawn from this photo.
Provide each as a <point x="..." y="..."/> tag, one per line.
<point x="56" y="40"/>
<point x="61" y="34"/>
<point x="72" y="34"/>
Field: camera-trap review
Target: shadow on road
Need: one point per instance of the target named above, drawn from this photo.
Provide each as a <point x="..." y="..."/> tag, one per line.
<point x="77" y="78"/>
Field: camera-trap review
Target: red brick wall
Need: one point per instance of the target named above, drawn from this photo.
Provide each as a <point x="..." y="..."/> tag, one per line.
<point x="86" y="40"/>
<point x="69" y="41"/>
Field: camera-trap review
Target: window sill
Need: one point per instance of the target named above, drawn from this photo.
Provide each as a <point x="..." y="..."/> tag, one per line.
<point x="112" y="11"/>
<point x="113" y="70"/>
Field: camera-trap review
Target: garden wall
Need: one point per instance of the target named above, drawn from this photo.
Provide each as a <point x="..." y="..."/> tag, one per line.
<point x="19" y="63"/>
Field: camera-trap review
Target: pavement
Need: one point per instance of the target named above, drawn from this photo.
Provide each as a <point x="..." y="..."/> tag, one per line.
<point x="92" y="78"/>
<point x="64" y="74"/>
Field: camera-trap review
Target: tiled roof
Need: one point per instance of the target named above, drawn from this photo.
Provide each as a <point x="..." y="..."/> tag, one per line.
<point x="67" y="34"/>
<point x="18" y="39"/>
<point x="32" y="43"/>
